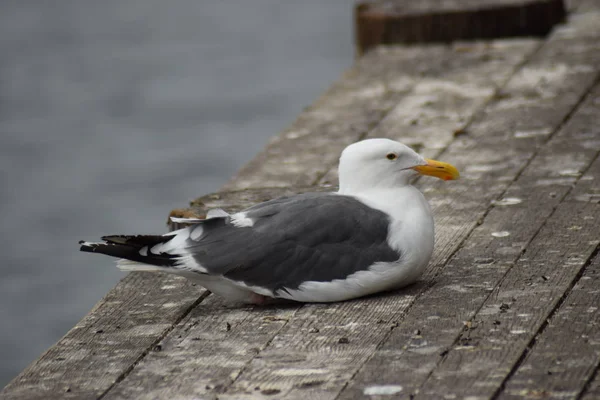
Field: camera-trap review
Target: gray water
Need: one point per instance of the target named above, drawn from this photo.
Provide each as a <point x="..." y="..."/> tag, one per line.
<point x="114" y="112"/>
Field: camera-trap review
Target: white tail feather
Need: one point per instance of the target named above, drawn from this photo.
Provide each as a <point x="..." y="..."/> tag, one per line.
<point x="128" y="265"/>
<point x="185" y="220"/>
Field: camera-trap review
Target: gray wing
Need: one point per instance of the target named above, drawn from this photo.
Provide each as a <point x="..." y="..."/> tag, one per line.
<point x="307" y="237"/>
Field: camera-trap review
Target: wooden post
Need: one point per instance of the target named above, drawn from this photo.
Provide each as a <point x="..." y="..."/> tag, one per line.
<point x="408" y="21"/>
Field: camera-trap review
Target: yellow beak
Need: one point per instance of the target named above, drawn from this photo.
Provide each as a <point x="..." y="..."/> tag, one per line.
<point x="438" y="169"/>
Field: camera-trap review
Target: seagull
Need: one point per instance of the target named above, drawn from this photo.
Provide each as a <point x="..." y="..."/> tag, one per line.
<point x="374" y="234"/>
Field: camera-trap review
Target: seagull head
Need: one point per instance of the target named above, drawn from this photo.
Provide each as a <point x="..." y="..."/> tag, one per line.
<point x="384" y="163"/>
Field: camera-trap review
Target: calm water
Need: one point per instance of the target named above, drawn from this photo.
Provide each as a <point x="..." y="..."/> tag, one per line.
<point x="114" y="112"/>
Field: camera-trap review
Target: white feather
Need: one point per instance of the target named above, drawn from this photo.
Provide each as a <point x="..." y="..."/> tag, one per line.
<point x="240" y="220"/>
<point x="184" y="220"/>
<point x="128" y="265"/>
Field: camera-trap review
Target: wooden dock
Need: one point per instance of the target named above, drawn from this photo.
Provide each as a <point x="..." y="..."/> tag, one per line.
<point x="509" y="305"/>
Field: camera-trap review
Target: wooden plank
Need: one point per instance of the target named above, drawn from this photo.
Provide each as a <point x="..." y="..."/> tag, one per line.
<point x="588" y="189"/>
<point x="303" y="154"/>
<point x="205" y="352"/>
<point x="495" y="339"/>
<point x="582" y="6"/>
<point x="91" y="382"/>
<point x="567" y="353"/>
<point x="560" y="162"/>
<point x="102" y="347"/>
<point x="592" y="392"/>
<point x="583" y="24"/>
<point x="575" y="349"/>
<point x="332" y="366"/>
<point x="369" y="76"/>
<point x="344" y="325"/>
<point x="344" y="114"/>
<point x="439" y="108"/>
<point x="259" y="372"/>
<point x="354" y="349"/>
<point x="348" y="333"/>
<point x="408" y="360"/>
<point x="388" y="22"/>
<point x="293" y="384"/>
<point x="434" y="323"/>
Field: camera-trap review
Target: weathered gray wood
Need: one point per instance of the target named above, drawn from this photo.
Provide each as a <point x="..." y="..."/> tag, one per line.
<point x="573" y="350"/>
<point x="395" y="338"/>
<point x="565" y="356"/>
<point x="388" y="22"/>
<point x="335" y="365"/>
<point x="513" y="128"/>
<point x="347" y="112"/>
<point x="263" y="371"/>
<point x="534" y="286"/>
<point x="434" y="322"/>
<point x="70" y="370"/>
<point x="582" y="6"/>
<point x="322" y="364"/>
<point x="500" y="332"/>
<point x="344" y="114"/>
<point x="103" y="346"/>
<point x="205" y="352"/>
<point x="592" y="392"/>
<point x="460" y="222"/>
<point x="364" y="322"/>
<point x="588" y="188"/>
<point x="438" y="109"/>
<point x="583" y="24"/>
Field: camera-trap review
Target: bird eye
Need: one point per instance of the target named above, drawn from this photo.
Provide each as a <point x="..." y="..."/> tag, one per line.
<point x="391" y="156"/>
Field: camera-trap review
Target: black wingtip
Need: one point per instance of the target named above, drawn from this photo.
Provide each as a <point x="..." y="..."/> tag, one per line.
<point x="87" y="247"/>
<point x="128" y="247"/>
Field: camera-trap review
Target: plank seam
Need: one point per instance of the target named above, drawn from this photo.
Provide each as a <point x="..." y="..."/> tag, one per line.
<point x="494" y="95"/>
<point x="560" y="302"/>
<point x="518" y="174"/>
<point x="431" y="283"/>
<point x="470" y="120"/>
<point x="267" y="344"/>
<point x="545" y="324"/>
<point x="594" y="374"/>
<point x="315" y="183"/>
<point x="364" y="134"/>
<point x="401" y="318"/>
<point x="125" y="373"/>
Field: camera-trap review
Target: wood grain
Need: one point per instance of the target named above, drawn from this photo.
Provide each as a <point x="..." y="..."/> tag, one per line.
<point x="388" y="22"/>
<point x="464" y="284"/>
<point x="592" y="392"/>
<point x="338" y="367"/>
<point x="205" y="352"/>
<point x="103" y="346"/>
<point x="344" y="114"/>
<point x="513" y="240"/>
<point x="566" y="354"/>
<point x="439" y="109"/>
<point x="262" y="371"/>
<point x="496" y="337"/>
<point x="365" y="323"/>
<point x="356" y="104"/>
